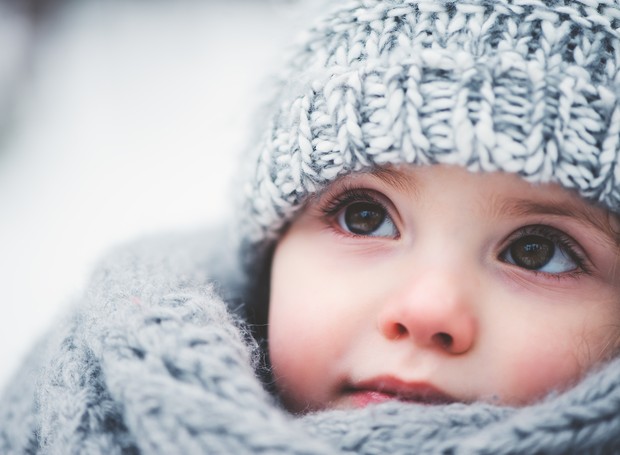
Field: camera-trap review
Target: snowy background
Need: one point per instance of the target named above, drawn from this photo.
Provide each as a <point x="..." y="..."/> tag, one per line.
<point x="118" y="119"/>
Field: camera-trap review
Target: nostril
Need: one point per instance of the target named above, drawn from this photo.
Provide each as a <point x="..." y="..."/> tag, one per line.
<point x="443" y="339"/>
<point x="401" y="330"/>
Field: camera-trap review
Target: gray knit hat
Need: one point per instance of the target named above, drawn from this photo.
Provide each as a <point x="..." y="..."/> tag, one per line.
<point x="523" y="86"/>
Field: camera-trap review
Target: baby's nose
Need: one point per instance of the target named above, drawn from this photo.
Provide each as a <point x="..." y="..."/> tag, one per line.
<point x="434" y="311"/>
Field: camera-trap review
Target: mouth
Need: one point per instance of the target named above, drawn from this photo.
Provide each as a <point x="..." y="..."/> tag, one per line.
<point x="387" y="388"/>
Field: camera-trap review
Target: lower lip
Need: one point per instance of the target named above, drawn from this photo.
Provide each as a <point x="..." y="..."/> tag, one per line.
<point x="363" y="398"/>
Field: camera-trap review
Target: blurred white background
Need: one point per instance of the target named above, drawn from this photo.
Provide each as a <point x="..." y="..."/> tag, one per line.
<point x="118" y="119"/>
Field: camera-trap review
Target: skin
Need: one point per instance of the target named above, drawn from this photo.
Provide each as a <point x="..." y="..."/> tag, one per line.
<point x="430" y="307"/>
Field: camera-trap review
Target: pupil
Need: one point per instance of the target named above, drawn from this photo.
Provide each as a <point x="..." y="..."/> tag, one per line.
<point x="363" y="217"/>
<point x="532" y="252"/>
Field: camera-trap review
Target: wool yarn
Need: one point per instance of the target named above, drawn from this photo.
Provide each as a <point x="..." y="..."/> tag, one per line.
<point x="155" y="360"/>
<point x="157" y="357"/>
<point x="529" y="87"/>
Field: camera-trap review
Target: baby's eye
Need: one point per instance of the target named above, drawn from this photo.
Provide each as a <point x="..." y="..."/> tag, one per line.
<point x="540" y="253"/>
<point x="367" y="218"/>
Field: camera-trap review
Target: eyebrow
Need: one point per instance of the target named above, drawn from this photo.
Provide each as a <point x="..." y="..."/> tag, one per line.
<point x="394" y="178"/>
<point x="569" y="209"/>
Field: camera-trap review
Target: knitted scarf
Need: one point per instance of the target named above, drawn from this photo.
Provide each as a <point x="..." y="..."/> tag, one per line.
<point x="154" y="359"/>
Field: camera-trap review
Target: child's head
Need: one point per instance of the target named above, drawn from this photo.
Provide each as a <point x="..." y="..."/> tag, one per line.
<point x="436" y="201"/>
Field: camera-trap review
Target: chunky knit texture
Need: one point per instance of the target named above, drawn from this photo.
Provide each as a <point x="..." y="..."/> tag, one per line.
<point x="152" y="361"/>
<point x="156" y="357"/>
<point x="524" y="86"/>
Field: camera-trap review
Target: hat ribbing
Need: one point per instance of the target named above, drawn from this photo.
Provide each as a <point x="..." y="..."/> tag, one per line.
<point x="529" y="87"/>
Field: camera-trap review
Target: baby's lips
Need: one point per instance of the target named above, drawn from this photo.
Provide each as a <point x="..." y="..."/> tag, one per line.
<point x="362" y="398"/>
<point x="385" y="388"/>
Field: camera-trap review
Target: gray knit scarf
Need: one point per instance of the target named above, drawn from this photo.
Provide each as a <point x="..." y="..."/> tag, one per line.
<point x="156" y="357"/>
<point x="154" y="360"/>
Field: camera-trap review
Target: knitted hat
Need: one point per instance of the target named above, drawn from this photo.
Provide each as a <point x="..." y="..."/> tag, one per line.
<point x="530" y="87"/>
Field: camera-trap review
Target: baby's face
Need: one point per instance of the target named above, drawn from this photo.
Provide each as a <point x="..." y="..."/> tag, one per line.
<point x="436" y="285"/>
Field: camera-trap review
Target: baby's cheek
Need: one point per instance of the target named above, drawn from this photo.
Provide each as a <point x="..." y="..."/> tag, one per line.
<point x="298" y="369"/>
<point x="541" y="372"/>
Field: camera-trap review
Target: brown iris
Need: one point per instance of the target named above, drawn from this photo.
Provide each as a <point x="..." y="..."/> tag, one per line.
<point x="364" y="217"/>
<point x="532" y="252"/>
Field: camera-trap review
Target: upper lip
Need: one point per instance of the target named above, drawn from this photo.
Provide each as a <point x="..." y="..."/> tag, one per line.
<point x="413" y="391"/>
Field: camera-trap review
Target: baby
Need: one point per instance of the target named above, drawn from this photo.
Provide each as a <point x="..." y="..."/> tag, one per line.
<point x="430" y="248"/>
<point x="449" y="174"/>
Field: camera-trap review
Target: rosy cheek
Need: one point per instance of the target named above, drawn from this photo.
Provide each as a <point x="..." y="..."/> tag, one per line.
<point x="299" y="371"/>
<point x="533" y="376"/>
<point x="299" y="351"/>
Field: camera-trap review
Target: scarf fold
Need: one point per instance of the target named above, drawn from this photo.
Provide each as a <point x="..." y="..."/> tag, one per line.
<point x="153" y="360"/>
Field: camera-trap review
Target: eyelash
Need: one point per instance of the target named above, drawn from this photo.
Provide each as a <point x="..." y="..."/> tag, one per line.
<point x="565" y="242"/>
<point x="337" y="202"/>
<point x="349" y="195"/>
